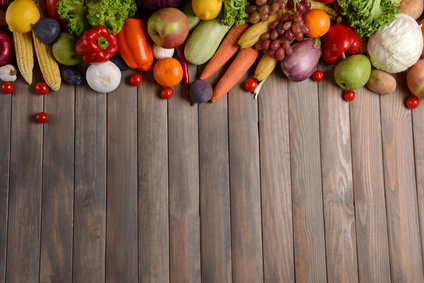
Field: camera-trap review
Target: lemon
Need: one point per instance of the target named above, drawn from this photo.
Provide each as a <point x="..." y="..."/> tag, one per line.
<point x="206" y="9"/>
<point x="21" y="14"/>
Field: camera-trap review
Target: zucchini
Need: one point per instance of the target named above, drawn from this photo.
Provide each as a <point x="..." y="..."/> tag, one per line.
<point x="193" y="20"/>
<point x="204" y="41"/>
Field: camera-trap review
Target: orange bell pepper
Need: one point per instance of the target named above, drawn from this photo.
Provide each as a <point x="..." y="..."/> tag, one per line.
<point x="134" y="45"/>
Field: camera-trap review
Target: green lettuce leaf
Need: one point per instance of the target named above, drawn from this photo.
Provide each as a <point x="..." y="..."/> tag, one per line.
<point x="235" y="12"/>
<point x="73" y="11"/>
<point x="366" y="16"/>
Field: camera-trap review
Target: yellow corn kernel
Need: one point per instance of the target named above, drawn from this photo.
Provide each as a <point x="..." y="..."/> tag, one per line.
<point x="24" y="54"/>
<point x="48" y="64"/>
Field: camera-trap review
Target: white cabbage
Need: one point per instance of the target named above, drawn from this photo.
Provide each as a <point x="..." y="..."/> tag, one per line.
<point x="397" y="45"/>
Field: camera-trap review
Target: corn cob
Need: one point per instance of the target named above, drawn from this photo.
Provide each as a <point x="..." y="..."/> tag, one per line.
<point x="254" y="32"/>
<point x="24" y="54"/>
<point x="264" y="68"/>
<point x="48" y="64"/>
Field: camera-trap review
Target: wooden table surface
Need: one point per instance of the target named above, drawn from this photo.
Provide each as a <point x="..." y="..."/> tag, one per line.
<point x="298" y="185"/>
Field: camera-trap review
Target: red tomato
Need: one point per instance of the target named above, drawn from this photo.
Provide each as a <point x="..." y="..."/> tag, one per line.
<point x="412" y="102"/>
<point x="41" y="88"/>
<point x="167" y="93"/>
<point x="349" y="95"/>
<point x="52" y="13"/>
<point x="7" y="87"/>
<point x="318" y="76"/>
<point x="42" y="117"/>
<point x="135" y="79"/>
<point x="250" y="84"/>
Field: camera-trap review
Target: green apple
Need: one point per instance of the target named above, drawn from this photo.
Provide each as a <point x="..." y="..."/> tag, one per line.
<point x="353" y="72"/>
<point x="64" y="49"/>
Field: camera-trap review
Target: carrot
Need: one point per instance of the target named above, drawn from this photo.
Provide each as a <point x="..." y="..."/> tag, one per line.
<point x="240" y="65"/>
<point x="225" y="51"/>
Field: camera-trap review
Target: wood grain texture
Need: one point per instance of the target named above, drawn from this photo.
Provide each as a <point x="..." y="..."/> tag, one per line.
<point x="58" y="187"/>
<point x="25" y="193"/>
<point x="400" y="186"/>
<point x="214" y="191"/>
<point x="308" y="217"/>
<point x="245" y="184"/>
<point x="122" y="188"/>
<point x="153" y="198"/>
<point x="368" y="180"/>
<point x="184" y="218"/>
<point x="337" y="181"/>
<point x="418" y="133"/>
<point x="276" y="181"/>
<point x="90" y="186"/>
<point x="5" y="128"/>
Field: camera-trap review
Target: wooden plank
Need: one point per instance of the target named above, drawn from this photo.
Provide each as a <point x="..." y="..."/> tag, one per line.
<point x="308" y="218"/>
<point x="184" y="219"/>
<point x="368" y="180"/>
<point x="153" y="183"/>
<point x="214" y="190"/>
<point x="5" y="129"/>
<point x="90" y="186"/>
<point x="400" y="186"/>
<point x="121" y="208"/>
<point x="337" y="181"/>
<point x="245" y="185"/>
<point x="58" y="186"/>
<point x="25" y="193"/>
<point x="275" y="181"/>
<point x="418" y="134"/>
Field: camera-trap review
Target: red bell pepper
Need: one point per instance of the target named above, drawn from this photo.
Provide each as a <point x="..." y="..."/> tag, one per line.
<point x="134" y="45"/>
<point x="97" y="45"/>
<point x="340" y="41"/>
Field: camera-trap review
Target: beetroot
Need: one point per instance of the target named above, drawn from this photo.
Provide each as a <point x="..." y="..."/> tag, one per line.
<point x="157" y="4"/>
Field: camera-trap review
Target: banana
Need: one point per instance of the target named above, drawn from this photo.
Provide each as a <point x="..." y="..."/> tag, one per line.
<point x="330" y="11"/>
<point x="254" y="32"/>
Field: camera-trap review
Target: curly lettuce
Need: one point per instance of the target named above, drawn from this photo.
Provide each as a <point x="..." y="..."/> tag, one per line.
<point x="235" y="12"/>
<point x="84" y="14"/>
<point x="366" y="16"/>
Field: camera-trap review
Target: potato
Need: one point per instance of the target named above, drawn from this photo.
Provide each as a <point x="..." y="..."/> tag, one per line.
<point x="381" y="82"/>
<point x="414" y="8"/>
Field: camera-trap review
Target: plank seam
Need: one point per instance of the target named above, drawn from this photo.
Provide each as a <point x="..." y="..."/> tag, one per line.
<point x="385" y="196"/>
<point x="73" y="201"/>
<point x="322" y="185"/>
<point x="416" y="183"/>
<point x="8" y="188"/>
<point x="354" y="195"/>
<point x="40" y="214"/>
<point x="291" y="181"/>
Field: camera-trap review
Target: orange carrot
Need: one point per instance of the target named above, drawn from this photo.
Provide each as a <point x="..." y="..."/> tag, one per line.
<point x="225" y="51"/>
<point x="240" y="65"/>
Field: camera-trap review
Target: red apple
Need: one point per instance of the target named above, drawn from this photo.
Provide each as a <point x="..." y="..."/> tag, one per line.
<point x="168" y="27"/>
<point x="415" y="79"/>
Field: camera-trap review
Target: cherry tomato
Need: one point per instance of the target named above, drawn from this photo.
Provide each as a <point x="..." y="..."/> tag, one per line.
<point x="135" y="79"/>
<point x="7" y="87"/>
<point x="412" y="102"/>
<point x="42" y="117"/>
<point x="349" y="95"/>
<point x="318" y="76"/>
<point x="41" y="88"/>
<point x="167" y="93"/>
<point x="250" y="84"/>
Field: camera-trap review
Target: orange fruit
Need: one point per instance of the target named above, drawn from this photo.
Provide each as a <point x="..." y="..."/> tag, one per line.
<point x="421" y="23"/>
<point x="168" y="72"/>
<point x="318" y="23"/>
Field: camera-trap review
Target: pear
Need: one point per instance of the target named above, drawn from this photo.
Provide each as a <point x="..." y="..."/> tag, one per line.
<point x="353" y="72"/>
<point x="64" y="49"/>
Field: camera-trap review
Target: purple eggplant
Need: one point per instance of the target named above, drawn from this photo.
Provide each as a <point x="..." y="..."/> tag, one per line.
<point x="157" y="4"/>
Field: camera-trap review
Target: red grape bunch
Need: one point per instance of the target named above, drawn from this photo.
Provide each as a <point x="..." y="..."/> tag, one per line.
<point x="276" y="42"/>
<point x="260" y="10"/>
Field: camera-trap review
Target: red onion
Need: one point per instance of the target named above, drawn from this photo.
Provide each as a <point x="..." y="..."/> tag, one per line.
<point x="303" y="62"/>
<point x="5" y="48"/>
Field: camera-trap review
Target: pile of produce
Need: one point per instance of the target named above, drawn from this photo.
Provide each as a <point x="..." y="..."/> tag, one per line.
<point x="367" y="40"/>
